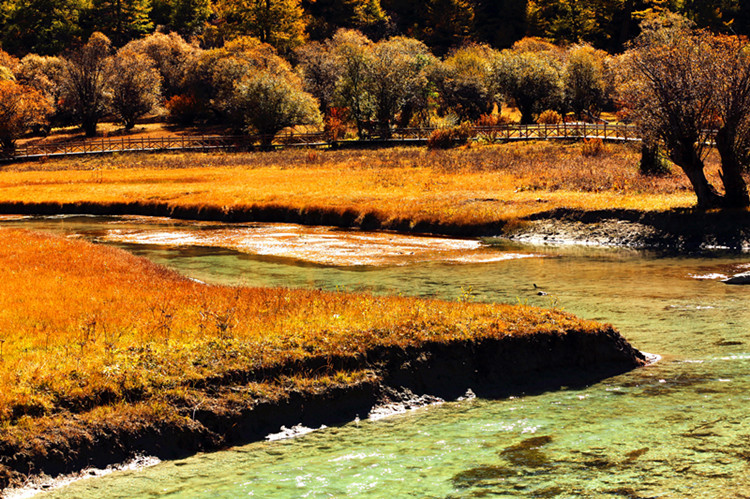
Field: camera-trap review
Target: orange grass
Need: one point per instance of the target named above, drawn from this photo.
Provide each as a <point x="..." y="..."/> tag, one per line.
<point x="475" y="185"/>
<point x="89" y="328"/>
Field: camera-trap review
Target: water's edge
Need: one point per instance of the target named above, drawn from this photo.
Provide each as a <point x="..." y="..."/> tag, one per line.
<point x="676" y="230"/>
<point x="490" y="368"/>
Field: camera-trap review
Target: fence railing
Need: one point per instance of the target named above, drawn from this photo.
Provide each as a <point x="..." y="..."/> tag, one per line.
<point x="571" y="131"/>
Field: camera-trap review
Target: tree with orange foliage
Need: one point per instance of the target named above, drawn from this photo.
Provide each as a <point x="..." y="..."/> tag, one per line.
<point x="21" y="108"/>
<point x="687" y="89"/>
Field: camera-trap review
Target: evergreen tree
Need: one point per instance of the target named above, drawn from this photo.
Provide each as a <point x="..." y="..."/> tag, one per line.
<point x="185" y="17"/>
<point x="45" y="27"/>
<point x="448" y="23"/>
<point x="327" y="16"/>
<point x="120" y="20"/>
<point x="499" y="23"/>
<point x="280" y="23"/>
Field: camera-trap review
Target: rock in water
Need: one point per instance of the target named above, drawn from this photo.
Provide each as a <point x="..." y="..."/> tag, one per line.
<point x="743" y="278"/>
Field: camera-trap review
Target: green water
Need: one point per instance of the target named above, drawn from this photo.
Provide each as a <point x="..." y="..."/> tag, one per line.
<point x="679" y="428"/>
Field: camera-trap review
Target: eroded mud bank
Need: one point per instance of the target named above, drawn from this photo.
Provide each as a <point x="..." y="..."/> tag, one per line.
<point x="490" y="368"/>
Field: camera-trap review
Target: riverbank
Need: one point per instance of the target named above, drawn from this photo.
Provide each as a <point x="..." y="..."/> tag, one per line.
<point x="474" y="189"/>
<point x="108" y="356"/>
<point x="530" y="192"/>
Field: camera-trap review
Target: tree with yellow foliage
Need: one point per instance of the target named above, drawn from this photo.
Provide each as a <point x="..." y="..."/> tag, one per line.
<point x="21" y="108"/>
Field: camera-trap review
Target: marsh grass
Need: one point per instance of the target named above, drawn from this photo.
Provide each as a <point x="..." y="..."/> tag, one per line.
<point x="470" y="185"/>
<point x="93" y="332"/>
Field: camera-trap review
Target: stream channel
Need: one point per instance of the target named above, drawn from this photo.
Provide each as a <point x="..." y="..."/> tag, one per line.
<point x="678" y="428"/>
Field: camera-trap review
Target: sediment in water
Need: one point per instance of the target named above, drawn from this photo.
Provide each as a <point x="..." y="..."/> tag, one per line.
<point x="490" y="368"/>
<point x="679" y="230"/>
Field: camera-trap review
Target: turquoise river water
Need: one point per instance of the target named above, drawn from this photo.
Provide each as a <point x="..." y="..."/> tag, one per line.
<point x="678" y="428"/>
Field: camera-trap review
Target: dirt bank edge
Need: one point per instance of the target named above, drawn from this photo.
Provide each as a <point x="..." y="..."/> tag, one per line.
<point x="491" y="368"/>
<point x="681" y="230"/>
<point x="678" y="230"/>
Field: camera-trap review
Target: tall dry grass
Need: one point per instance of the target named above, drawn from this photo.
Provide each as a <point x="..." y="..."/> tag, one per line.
<point x="478" y="184"/>
<point x="96" y="331"/>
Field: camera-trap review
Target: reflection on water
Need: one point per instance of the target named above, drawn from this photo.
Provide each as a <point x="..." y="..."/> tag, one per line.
<point x="675" y="429"/>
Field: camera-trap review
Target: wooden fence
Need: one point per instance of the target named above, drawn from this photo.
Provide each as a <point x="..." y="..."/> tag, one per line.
<point x="565" y="131"/>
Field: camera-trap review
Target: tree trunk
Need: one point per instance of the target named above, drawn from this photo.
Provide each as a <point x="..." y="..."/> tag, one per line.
<point x="649" y="159"/>
<point x="527" y="117"/>
<point x="687" y="158"/>
<point x="734" y="184"/>
<point x="89" y="126"/>
<point x="8" y="145"/>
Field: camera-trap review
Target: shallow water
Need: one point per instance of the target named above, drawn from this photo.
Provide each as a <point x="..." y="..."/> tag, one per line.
<point x="675" y="429"/>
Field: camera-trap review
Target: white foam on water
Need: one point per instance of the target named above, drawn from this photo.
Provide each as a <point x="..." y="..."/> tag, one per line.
<point x="294" y="431"/>
<point x="714" y="276"/>
<point x="42" y="484"/>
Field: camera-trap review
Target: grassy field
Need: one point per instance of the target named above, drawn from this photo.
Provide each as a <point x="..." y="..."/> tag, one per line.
<point x="475" y="185"/>
<point x="101" y="331"/>
<point x="92" y="337"/>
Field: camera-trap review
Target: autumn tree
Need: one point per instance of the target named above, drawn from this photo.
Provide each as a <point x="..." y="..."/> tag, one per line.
<point x="731" y="66"/>
<point x="585" y="80"/>
<point x="320" y="69"/>
<point x="21" y="108"/>
<point x="270" y="101"/>
<point x="464" y="81"/>
<point x="356" y="53"/>
<point x="396" y="77"/>
<point x="679" y="86"/>
<point x="530" y="78"/>
<point x="212" y="77"/>
<point x="171" y="55"/>
<point x="135" y="86"/>
<point x="46" y="74"/>
<point x="85" y="82"/>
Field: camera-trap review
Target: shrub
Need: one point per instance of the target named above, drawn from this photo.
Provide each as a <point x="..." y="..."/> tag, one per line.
<point x="492" y="120"/>
<point x="445" y="138"/>
<point x="183" y="109"/>
<point x="592" y="148"/>
<point x="549" y="117"/>
<point x="334" y="125"/>
<point x="653" y="162"/>
<point x="489" y="122"/>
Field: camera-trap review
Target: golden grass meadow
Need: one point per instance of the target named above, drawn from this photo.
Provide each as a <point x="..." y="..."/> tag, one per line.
<point x="475" y="185"/>
<point x="86" y="326"/>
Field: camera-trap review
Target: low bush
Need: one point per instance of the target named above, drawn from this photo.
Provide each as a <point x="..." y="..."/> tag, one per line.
<point x="183" y="110"/>
<point x="445" y="138"/>
<point x="592" y="148"/>
<point x="549" y="117"/>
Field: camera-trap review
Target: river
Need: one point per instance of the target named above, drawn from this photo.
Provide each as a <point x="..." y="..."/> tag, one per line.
<point x="678" y="428"/>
